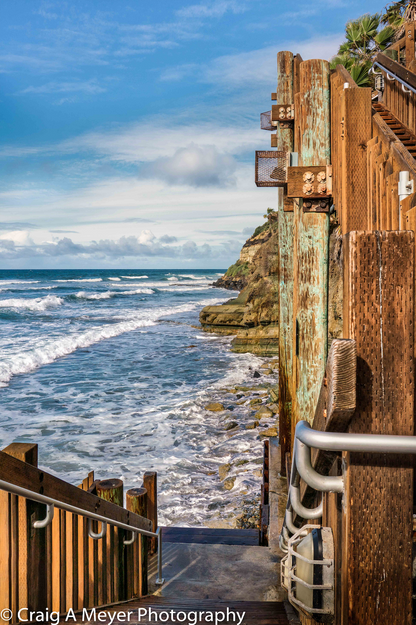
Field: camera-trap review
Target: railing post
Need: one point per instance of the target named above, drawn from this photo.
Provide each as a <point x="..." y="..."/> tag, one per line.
<point x="150" y="484"/>
<point x="136" y="501"/>
<point x="112" y="490"/>
<point x="23" y="573"/>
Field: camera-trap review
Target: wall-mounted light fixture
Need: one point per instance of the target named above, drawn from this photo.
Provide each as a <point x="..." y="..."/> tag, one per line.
<point x="307" y="572"/>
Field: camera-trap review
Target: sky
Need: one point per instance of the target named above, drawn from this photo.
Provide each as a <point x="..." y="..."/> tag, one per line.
<point x="128" y="127"/>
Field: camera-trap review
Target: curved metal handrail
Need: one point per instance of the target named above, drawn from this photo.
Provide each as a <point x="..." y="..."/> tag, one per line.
<point x="305" y="439"/>
<point x="92" y="516"/>
<point x="392" y="76"/>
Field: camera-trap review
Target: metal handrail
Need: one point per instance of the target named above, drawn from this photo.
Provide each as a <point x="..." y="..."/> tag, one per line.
<point x="51" y="503"/>
<point x="395" y="77"/>
<point x="307" y="438"/>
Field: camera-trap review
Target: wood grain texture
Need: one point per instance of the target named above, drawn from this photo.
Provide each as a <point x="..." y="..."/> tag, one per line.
<point x="311" y="233"/>
<point x="378" y="315"/>
<point x="285" y="138"/>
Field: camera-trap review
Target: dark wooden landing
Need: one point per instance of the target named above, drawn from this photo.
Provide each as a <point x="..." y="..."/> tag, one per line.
<point x="207" y="536"/>
<point x="256" y="612"/>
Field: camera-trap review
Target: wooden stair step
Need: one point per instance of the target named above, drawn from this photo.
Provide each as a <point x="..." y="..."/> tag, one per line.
<point x="209" y="536"/>
<point x="256" y="612"/>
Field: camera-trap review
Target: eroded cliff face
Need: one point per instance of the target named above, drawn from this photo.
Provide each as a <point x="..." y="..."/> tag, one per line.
<point x="253" y="315"/>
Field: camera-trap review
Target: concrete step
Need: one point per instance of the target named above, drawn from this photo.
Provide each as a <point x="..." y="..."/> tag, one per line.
<point x="218" y="573"/>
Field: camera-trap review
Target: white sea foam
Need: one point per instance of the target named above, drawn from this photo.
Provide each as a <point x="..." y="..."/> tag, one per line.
<point x="37" y="304"/>
<point x="137" y="291"/>
<point x="18" y="282"/>
<point x="81" y="280"/>
<point x="50" y="351"/>
<point x="134" y="277"/>
<point x="85" y="295"/>
<point x="115" y="279"/>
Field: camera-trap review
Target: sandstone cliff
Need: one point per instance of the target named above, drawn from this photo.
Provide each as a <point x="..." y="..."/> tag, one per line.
<point x="253" y="315"/>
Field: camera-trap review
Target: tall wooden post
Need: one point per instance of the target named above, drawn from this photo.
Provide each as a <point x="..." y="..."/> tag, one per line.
<point x="136" y="501"/>
<point x="284" y="142"/>
<point x="112" y="490"/>
<point x="378" y="502"/>
<point x="150" y="484"/>
<point x="311" y="231"/>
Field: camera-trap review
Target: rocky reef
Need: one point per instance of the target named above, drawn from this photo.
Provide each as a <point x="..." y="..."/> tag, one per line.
<point x="253" y="315"/>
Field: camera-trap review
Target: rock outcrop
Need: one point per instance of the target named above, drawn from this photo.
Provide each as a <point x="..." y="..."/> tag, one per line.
<point x="253" y="315"/>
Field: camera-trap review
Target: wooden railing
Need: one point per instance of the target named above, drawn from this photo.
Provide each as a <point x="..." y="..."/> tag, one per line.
<point x="61" y="567"/>
<point x="397" y="99"/>
<point x="405" y="47"/>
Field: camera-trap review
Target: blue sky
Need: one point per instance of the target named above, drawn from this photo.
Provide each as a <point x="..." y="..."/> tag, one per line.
<point x="129" y="128"/>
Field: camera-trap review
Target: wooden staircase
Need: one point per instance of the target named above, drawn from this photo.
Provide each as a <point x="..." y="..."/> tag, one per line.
<point x="404" y="134"/>
<point x="209" y="572"/>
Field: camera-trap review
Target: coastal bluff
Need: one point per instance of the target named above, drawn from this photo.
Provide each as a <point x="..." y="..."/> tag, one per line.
<point x="253" y="316"/>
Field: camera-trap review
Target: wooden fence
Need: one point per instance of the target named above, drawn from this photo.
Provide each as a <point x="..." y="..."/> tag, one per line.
<point x="61" y="566"/>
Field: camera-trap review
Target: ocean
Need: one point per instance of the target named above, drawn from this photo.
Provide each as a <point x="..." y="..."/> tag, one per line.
<point x="107" y="371"/>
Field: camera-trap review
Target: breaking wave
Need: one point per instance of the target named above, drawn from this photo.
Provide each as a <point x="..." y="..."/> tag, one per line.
<point x="37" y="304"/>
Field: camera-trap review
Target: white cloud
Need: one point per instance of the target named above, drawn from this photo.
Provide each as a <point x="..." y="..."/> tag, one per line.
<point x="257" y="67"/>
<point x="218" y="8"/>
<point x="195" y="166"/>
<point x="87" y="86"/>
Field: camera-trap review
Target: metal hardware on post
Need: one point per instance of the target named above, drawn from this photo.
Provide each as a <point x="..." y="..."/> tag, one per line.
<point x="406" y="187"/>
<point x="327" y="565"/>
<point x="346" y="85"/>
<point x="406" y="90"/>
<point x="131" y="540"/>
<point x="390" y="77"/>
<point x="323" y="483"/>
<point x="305" y="513"/>
<point x="159" y="580"/>
<point x="94" y="535"/>
<point x="50" y="511"/>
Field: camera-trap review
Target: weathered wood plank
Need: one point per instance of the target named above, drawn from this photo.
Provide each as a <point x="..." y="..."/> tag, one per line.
<point x="22" y="474"/>
<point x="377" y="558"/>
<point x="311" y="247"/>
<point x="356" y="111"/>
<point x="285" y="90"/>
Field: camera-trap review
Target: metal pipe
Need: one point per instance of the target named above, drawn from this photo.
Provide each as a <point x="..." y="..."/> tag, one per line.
<point x="49" y="501"/>
<point x="95" y="535"/>
<point x="289" y="522"/>
<point x="30" y="494"/>
<point x="50" y="511"/>
<point x="323" y="483"/>
<point x="131" y="540"/>
<point x="159" y="580"/>
<point x="365" y="443"/>
<point x="305" y="513"/>
<point x="392" y="76"/>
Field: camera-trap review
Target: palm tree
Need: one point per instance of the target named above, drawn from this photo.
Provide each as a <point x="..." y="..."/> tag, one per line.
<point x="364" y="39"/>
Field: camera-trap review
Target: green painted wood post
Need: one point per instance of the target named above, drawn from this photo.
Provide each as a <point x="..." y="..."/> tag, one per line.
<point x="284" y="135"/>
<point x="112" y="490"/>
<point x="310" y="316"/>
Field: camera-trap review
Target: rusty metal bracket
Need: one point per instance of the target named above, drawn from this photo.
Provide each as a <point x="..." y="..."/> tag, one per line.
<point x="310" y="183"/>
<point x="282" y="113"/>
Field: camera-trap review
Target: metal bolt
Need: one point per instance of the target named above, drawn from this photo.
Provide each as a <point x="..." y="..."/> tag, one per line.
<point x="322" y="188"/>
<point x="308" y="176"/>
<point x="307" y="189"/>
<point x="321" y="176"/>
